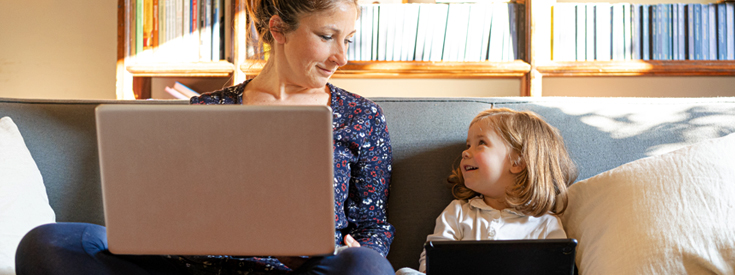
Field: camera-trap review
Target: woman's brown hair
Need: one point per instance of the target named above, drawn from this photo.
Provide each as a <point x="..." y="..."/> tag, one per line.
<point x="542" y="186"/>
<point x="261" y="11"/>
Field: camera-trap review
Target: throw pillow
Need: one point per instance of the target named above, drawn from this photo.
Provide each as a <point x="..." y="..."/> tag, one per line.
<point x="668" y="214"/>
<point x="23" y="201"/>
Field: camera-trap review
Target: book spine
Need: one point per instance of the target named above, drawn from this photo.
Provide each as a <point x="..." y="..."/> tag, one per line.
<point x="646" y="31"/>
<point x="522" y="31"/>
<point x="627" y="35"/>
<point x="486" y="24"/>
<point x="674" y="32"/>
<point x="618" y="51"/>
<point x="668" y="36"/>
<point x="437" y="46"/>
<point x="591" y="33"/>
<point x="513" y="24"/>
<point x="367" y="32"/>
<point x="682" y="31"/>
<point x="139" y="17"/>
<point x="697" y="31"/>
<point x="580" y="31"/>
<point x="410" y="32"/>
<point x="603" y="29"/>
<point x="690" y="31"/>
<point x="730" y="14"/>
<point x="705" y="31"/>
<point x="216" y="29"/>
<point x="398" y="25"/>
<point x="376" y="24"/>
<point x="721" y="32"/>
<point x="635" y="11"/>
<point x="712" y="29"/>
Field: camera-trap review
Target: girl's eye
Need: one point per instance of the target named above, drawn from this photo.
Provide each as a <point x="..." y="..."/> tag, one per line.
<point x="467" y="146"/>
<point x="482" y="143"/>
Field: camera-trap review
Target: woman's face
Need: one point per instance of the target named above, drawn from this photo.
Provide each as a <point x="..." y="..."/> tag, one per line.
<point x="314" y="51"/>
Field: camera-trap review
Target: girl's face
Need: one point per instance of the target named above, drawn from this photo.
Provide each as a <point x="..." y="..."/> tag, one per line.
<point x="486" y="165"/>
<point x="314" y="51"/>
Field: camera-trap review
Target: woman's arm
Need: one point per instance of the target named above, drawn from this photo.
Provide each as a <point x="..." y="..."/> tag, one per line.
<point x="369" y="183"/>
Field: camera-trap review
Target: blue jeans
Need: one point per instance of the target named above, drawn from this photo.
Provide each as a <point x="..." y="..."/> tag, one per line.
<point x="79" y="248"/>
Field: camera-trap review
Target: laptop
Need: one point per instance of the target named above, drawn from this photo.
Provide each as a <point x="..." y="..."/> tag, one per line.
<point x="547" y="256"/>
<point x="217" y="179"/>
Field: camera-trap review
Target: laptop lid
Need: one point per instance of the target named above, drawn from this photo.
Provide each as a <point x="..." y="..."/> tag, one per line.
<point x="547" y="256"/>
<point x="217" y="179"/>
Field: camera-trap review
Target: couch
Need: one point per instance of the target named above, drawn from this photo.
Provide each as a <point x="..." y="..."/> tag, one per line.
<point x="427" y="135"/>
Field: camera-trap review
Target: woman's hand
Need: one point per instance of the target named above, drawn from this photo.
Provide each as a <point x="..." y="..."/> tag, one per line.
<point x="292" y="262"/>
<point x="350" y="241"/>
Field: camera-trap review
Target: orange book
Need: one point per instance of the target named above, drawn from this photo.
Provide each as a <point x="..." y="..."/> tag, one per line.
<point x="147" y="23"/>
<point x="154" y="34"/>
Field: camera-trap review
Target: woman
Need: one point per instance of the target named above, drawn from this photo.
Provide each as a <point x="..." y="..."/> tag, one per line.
<point x="309" y="41"/>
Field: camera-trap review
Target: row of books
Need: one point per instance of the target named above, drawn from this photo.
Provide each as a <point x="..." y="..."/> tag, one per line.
<point x="622" y="31"/>
<point x="177" y="30"/>
<point x="439" y="32"/>
<point x="181" y="91"/>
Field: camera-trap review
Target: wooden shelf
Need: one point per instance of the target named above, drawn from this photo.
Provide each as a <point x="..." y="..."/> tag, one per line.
<point x="638" y="68"/>
<point x="418" y="69"/>
<point x="183" y="69"/>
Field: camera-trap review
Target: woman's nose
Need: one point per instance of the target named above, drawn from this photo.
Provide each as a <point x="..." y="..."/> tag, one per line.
<point x="340" y="57"/>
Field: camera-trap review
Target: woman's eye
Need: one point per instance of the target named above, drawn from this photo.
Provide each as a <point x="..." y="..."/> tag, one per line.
<point x="348" y="41"/>
<point x="326" y="37"/>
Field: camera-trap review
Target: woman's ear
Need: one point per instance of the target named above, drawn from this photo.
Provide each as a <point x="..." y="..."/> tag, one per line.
<point x="517" y="165"/>
<point x="275" y="24"/>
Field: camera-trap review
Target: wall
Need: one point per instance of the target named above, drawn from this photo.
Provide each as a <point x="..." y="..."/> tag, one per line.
<point x="67" y="50"/>
<point x="58" y="49"/>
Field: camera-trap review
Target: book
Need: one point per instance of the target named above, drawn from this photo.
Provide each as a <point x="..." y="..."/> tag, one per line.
<point x="521" y="8"/>
<point x="498" y="32"/>
<point x="618" y="33"/>
<point x="705" y="31"/>
<point x="399" y="26"/>
<point x="563" y="32"/>
<point x="635" y="42"/>
<point x="392" y="11"/>
<point x="194" y="29"/>
<point x="140" y="15"/>
<point x="176" y="94"/>
<point x="216" y="29"/>
<point x="646" y="28"/>
<point x="205" y="30"/>
<point x="697" y="31"/>
<point x="486" y="25"/>
<point x="712" y="30"/>
<point x="666" y="31"/>
<point x="456" y="39"/>
<point x="580" y="32"/>
<point x="183" y="89"/>
<point x="475" y="35"/>
<point x="590" y="36"/>
<point x="366" y="27"/>
<point x="730" y="14"/>
<point x="376" y="24"/>
<point x="690" y="32"/>
<point x="383" y="15"/>
<point x="627" y="33"/>
<point x="603" y="32"/>
<point x="154" y="34"/>
<point x="721" y="32"/>
<point x="682" y="31"/>
<point x="674" y="32"/>
<point x="439" y="32"/>
<point x="410" y="28"/>
<point x="352" y="49"/>
<point x="422" y="31"/>
<point x="511" y="52"/>
<point x="147" y="24"/>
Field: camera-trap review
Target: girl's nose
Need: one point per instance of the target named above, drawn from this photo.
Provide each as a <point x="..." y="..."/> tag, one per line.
<point x="466" y="154"/>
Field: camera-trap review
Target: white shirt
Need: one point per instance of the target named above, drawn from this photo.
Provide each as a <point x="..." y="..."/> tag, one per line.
<point x="475" y="220"/>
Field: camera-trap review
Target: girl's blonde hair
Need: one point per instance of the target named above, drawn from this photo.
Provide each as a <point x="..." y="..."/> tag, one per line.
<point x="542" y="186"/>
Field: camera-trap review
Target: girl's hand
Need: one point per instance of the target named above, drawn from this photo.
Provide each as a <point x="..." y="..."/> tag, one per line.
<point x="350" y="241"/>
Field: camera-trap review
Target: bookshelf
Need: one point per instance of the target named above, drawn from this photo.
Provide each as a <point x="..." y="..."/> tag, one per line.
<point x="134" y="76"/>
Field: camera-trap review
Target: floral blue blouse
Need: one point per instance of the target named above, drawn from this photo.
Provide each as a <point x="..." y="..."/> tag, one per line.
<point x="362" y="171"/>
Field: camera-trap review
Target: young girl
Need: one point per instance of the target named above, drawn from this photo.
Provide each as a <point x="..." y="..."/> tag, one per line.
<point x="511" y="183"/>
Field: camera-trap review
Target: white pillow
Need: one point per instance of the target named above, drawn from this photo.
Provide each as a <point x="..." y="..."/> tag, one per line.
<point x="668" y="214"/>
<point x="23" y="201"/>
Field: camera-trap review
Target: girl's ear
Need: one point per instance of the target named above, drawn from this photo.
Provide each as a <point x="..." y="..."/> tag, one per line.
<point x="517" y="165"/>
<point x="275" y="24"/>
